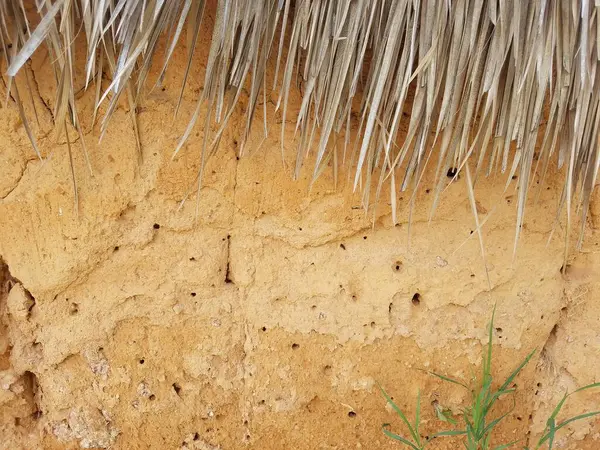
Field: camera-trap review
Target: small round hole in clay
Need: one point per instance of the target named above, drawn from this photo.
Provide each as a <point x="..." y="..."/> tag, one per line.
<point x="416" y="299"/>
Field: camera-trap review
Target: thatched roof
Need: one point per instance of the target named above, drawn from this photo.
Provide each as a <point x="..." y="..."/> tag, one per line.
<point x="470" y="86"/>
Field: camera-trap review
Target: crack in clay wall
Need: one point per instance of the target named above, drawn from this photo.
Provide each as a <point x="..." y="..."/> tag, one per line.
<point x="266" y="321"/>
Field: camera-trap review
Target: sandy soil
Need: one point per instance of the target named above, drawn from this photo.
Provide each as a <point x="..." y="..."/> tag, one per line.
<point x="267" y="322"/>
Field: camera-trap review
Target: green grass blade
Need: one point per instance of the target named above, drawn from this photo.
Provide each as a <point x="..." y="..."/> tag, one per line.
<point x="589" y="386"/>
<point x="444" y="415"/>
<point x="499" y="393"/>
<point x="401" y="414"/>
<point x="494" y="422"/>
<point x="512" y="376"/>
<point x="505" y="446"/>
<point x="579" y="417"/>
<point x="551" y="433"/>
<point x="396" y="437"/>
<point x="557" y="409"/>
<point x="477" y="411"/>
<point x="448" y="379"/>
<point x="447" y="433"/>
<point x="551" y="423"/>
<point x="418" y="418"/>
<point x="468" y="423"/>
<point x="470" y="435"/>
<point x="485" y="443"/>
<point x="487" y="363"/>
<point x="495" y="397"/>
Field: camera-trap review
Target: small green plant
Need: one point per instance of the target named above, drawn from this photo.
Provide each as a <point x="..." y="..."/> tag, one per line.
<point x="478" y="419"/>
<point x="552" y="427"/>
<point x="417" y="442"/>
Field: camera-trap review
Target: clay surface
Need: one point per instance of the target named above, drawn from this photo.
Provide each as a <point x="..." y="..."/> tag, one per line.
<point x="266" y="320"/>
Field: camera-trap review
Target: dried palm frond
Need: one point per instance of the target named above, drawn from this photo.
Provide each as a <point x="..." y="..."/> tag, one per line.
<point x="492" y="84"/>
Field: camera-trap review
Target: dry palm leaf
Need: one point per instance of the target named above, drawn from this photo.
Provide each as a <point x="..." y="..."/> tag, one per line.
<point x="498" y="85"/>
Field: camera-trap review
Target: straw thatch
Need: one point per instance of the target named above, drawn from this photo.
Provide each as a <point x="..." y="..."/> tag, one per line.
<point x="485" y="85"/>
